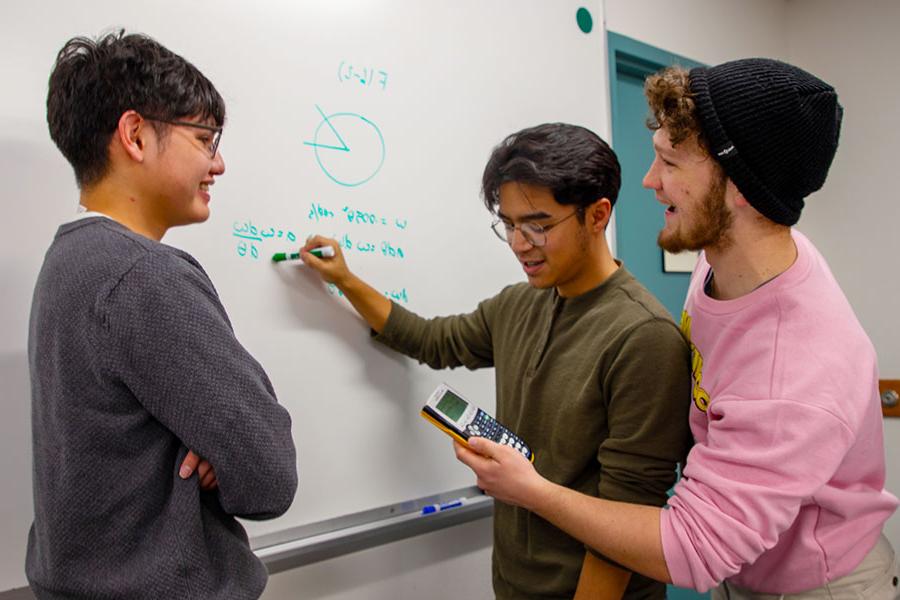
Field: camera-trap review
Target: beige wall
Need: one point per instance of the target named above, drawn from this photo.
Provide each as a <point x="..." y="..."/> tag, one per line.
<point x="854" y="46"/>
<point x="709" y="31"/>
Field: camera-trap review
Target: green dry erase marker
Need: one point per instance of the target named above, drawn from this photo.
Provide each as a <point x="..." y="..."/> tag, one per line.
<point x="320" y="252"/>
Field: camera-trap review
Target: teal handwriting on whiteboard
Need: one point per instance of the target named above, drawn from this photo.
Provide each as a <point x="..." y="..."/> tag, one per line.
<point x="400" y="295"/>
<point x="362" y="75"/>
<point x="251" y="237"/>
<point x="319" y="212"/>
<point x="348" y="147"/>
<point x="385" y="248"/>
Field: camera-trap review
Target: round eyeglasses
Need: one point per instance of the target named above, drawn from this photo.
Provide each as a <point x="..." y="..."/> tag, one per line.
<point x="211" y="143"/>
<point x="534" y="234"/>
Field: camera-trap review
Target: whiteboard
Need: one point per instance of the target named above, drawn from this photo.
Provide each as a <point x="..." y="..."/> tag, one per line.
<point x="368" y="121"/>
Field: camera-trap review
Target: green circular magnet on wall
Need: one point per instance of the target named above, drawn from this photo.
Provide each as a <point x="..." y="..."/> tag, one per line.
<point x="585" y="20"/>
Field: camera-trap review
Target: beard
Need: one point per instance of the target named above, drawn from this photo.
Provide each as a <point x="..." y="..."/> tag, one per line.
<point x="711" y="226"/>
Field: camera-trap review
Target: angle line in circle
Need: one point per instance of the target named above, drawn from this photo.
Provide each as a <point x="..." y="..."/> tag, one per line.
<point x="343" y="147"/>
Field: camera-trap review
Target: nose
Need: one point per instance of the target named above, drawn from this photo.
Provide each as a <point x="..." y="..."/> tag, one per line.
<point x="651" y="178"/>
<point x="518" y="242"/>
<point x="218" y="164"/>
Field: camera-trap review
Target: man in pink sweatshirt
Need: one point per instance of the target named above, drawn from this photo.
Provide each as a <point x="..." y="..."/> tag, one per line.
<point x="783" y="493"/>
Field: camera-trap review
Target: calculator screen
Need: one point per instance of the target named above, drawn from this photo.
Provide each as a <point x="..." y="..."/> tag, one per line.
<point x="452" y="405"/>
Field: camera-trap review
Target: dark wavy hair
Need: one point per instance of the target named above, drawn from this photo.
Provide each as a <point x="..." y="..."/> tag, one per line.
<point x="94" y="81"/>
<point x="574" y="163"/>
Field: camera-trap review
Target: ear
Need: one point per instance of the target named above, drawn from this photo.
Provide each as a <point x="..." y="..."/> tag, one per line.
<point x="131" y="135"/>
<point x="598" y="214"/>
<point x="734" y="196"/>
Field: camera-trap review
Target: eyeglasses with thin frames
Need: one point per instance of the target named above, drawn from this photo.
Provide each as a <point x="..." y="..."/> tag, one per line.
<point x="212" y="146"/>
<point x="534" y="234"/>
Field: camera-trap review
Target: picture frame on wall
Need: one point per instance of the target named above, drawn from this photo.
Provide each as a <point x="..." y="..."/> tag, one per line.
<point x="683" y="262"/>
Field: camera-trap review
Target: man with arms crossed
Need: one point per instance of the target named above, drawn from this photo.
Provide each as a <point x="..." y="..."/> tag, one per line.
<point x="589" y="367"/>
<point x="783" y="492"/>
<point x="132" y="357"/>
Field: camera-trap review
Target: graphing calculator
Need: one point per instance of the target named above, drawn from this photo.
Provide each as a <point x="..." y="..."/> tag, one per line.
<point x="462" y="420"/>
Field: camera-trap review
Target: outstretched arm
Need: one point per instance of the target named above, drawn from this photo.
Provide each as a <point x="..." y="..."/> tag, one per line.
<point x="368" y="302"/>
<point x="626" y="533"/>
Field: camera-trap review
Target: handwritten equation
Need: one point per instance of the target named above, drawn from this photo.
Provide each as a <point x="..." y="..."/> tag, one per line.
<point x="383" y="247"/>
<point x="369" y="233"/>
<point x="347" y="72"/>
<point x="251" y="237"/>
<point x="364" y="237"/>
<point x="318" y="213"/>
<point x="400" y="296"/>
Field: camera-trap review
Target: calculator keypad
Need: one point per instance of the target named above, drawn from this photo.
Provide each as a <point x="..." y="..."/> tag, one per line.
<point x="484" y="425"/>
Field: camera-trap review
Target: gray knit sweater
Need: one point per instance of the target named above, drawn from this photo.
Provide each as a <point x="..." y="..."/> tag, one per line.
<point x="133" y="361"/>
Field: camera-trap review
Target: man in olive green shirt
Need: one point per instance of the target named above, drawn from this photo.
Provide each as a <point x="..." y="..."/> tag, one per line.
<point x="591" y="372"/>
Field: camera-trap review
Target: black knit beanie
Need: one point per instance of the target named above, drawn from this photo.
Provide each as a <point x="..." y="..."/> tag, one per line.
<point x="773" y="127"/>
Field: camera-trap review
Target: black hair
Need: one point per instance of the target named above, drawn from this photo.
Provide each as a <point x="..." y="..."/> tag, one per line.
<point x="95" y="81"/>
<point x="574" y="163"/>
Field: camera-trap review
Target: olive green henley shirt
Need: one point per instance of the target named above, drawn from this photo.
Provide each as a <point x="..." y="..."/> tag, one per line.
<point x="598" y="386"/>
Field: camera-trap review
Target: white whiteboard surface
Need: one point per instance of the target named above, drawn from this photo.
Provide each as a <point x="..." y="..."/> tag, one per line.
<point x="419" y="92"/>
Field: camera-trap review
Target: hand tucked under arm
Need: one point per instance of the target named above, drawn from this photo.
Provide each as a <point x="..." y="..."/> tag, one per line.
<point x="206" y="475"/>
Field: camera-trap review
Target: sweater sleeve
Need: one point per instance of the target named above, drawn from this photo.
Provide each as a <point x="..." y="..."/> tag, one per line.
<point x="648" y="389"/>
<point x="442" y="342"/>
<point x="170" y="342"/>
<point x="744" y="486"/>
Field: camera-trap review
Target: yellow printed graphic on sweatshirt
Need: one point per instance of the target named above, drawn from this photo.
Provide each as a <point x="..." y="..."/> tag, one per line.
<point x="701" y="397"/>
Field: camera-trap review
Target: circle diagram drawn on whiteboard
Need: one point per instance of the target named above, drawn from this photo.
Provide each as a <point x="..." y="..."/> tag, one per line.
<point x="349" y="148"/>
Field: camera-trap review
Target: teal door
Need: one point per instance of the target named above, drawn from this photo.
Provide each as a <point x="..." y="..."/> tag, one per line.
<point x="639" y="217"/>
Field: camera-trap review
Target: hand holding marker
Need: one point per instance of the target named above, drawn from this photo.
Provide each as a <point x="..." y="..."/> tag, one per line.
<point x="320" y="252"/>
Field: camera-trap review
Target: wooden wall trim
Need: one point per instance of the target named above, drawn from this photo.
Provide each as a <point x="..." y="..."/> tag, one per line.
<point x="885" y="385"/>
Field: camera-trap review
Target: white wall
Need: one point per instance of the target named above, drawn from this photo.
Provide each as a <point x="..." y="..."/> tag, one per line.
<point x="853" y="220"/>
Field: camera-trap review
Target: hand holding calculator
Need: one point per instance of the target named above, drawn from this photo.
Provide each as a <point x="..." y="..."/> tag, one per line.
<point x="451" y="413"/>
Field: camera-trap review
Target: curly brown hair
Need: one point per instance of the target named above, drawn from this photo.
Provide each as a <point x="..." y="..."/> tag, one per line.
<point x="672" y="105"/>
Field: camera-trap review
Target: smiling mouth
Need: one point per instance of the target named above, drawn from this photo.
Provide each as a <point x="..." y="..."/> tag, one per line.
<point x="531" y="266"/>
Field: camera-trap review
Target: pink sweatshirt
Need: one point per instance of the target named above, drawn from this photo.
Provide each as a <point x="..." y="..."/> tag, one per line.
<point x="784" y="489"/>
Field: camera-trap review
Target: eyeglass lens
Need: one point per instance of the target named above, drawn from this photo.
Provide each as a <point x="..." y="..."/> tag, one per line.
<point x="534" y="234"/>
